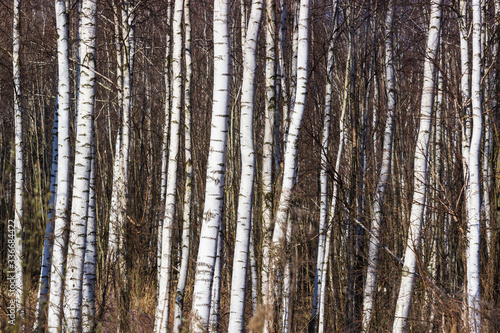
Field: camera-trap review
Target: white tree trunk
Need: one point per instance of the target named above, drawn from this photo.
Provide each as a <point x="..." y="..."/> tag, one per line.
<point x="384" y="177"/>
<point x="166" y="131"/>
<point x="279" y="240"/>
<point x="19" y="169"/>
<point x="63" y="170"/>
<point x="215" y="171"/>
<point x="336" y="183"/>
<point x="162" y="308"/>
<point x="89" y="267"/>
<point x="48" y="241"/>
<point x="464" y="83"/>
<point x="420" y="170"/>
<point x="245" y="201"/>
<point x="474" y="188"/>
<point x="81" y="181"/>
<point x="117" y="185"/>
<point x="323" y="179"/>
<point x="186" y="222"/>
<point x="216" y="285"/>
<point x="267" y="147"/>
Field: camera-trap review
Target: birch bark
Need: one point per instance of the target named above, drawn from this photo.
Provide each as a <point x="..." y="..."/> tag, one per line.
<point x="474" y="188"/>
<point x="215" y="171"/>
<point x="89" y="267"/>
<point x="267" y="148"/>
<point x="186" y="222"/>
<point x="63" y="168"/>
<point x="279" y="240"/>
<point x="48" y="241"/>
<point x="420" y="169"/>
<point x="19" y="168"/>
<point x="336" y="183"/>
<point x="166" y="131"/>
<point x="245" y="201"/>
<point x="384" y="177"/>
<point x="81" y="180"/>
<point x="323" y="178"/>
<point x="162" y="309"/>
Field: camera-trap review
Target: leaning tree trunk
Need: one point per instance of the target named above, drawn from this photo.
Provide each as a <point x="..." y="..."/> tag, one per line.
<point x="245" y="199"/>
<point x="162" y="307"/>
<point x="212" y="215"/>
<point x="280" y="240"/>
<point x="420" y="171"/>
<point x="81" y="180"/>
<point x="335" y="190"/>
<point x="319" y="278"/>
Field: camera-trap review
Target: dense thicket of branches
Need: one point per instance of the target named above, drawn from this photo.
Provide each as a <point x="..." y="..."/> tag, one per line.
<point x="358" y="81"/>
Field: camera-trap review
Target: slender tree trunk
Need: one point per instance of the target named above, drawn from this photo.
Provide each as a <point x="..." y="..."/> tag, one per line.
<point x="90" y="264"/>
<point x="166" y="131"/>
<point x="81" y="181"/>
<point x="162" y="310"/>
<point x="267" y="147"/>
<point x="384" y="177"/>
<point x="324" y="218"/>
<point x="474" y="168"/>
<point x="121" y="282"/>
<point x="212" y="217"/>
<point x="48" y="241"/>
<point x="114" y="211"/>
<point x="216" y="285"/>
<point x="63" y="170"/>
<point x="186" y="222"/>
<point x="245" y="201"/>
<point x="19" y="169"/>
<point x="420" y="171"/>
<point x="336" y="184"/>
<point x="280" y="238"/>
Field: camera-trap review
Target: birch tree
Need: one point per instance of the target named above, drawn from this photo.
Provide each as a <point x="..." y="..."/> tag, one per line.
<point x="384" y="177"/>
<point x="215" y="171"/>
<point x="319" y="278"/>
<point x="57" y="270"/>
<point x="124" y="39"/>
<point x="81" y="180"/>
<point x="166" y="131"/>
<point x="90" y="263"/>
<point x="279" y="240"/>
<point x="19" y="169"/>
<point x="420" y="173"/>
<point x="474" y="189"/>
<point x="162" y="310"/>
<point x="186" y="220"/>
<point x="267" y="148"/>
<point x="336" y="184"/>
<point x="245" y="201"/>
<point x="48" y="241"/>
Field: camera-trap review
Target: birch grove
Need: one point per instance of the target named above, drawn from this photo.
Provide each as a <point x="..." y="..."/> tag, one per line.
<point x="262" y="166"/>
